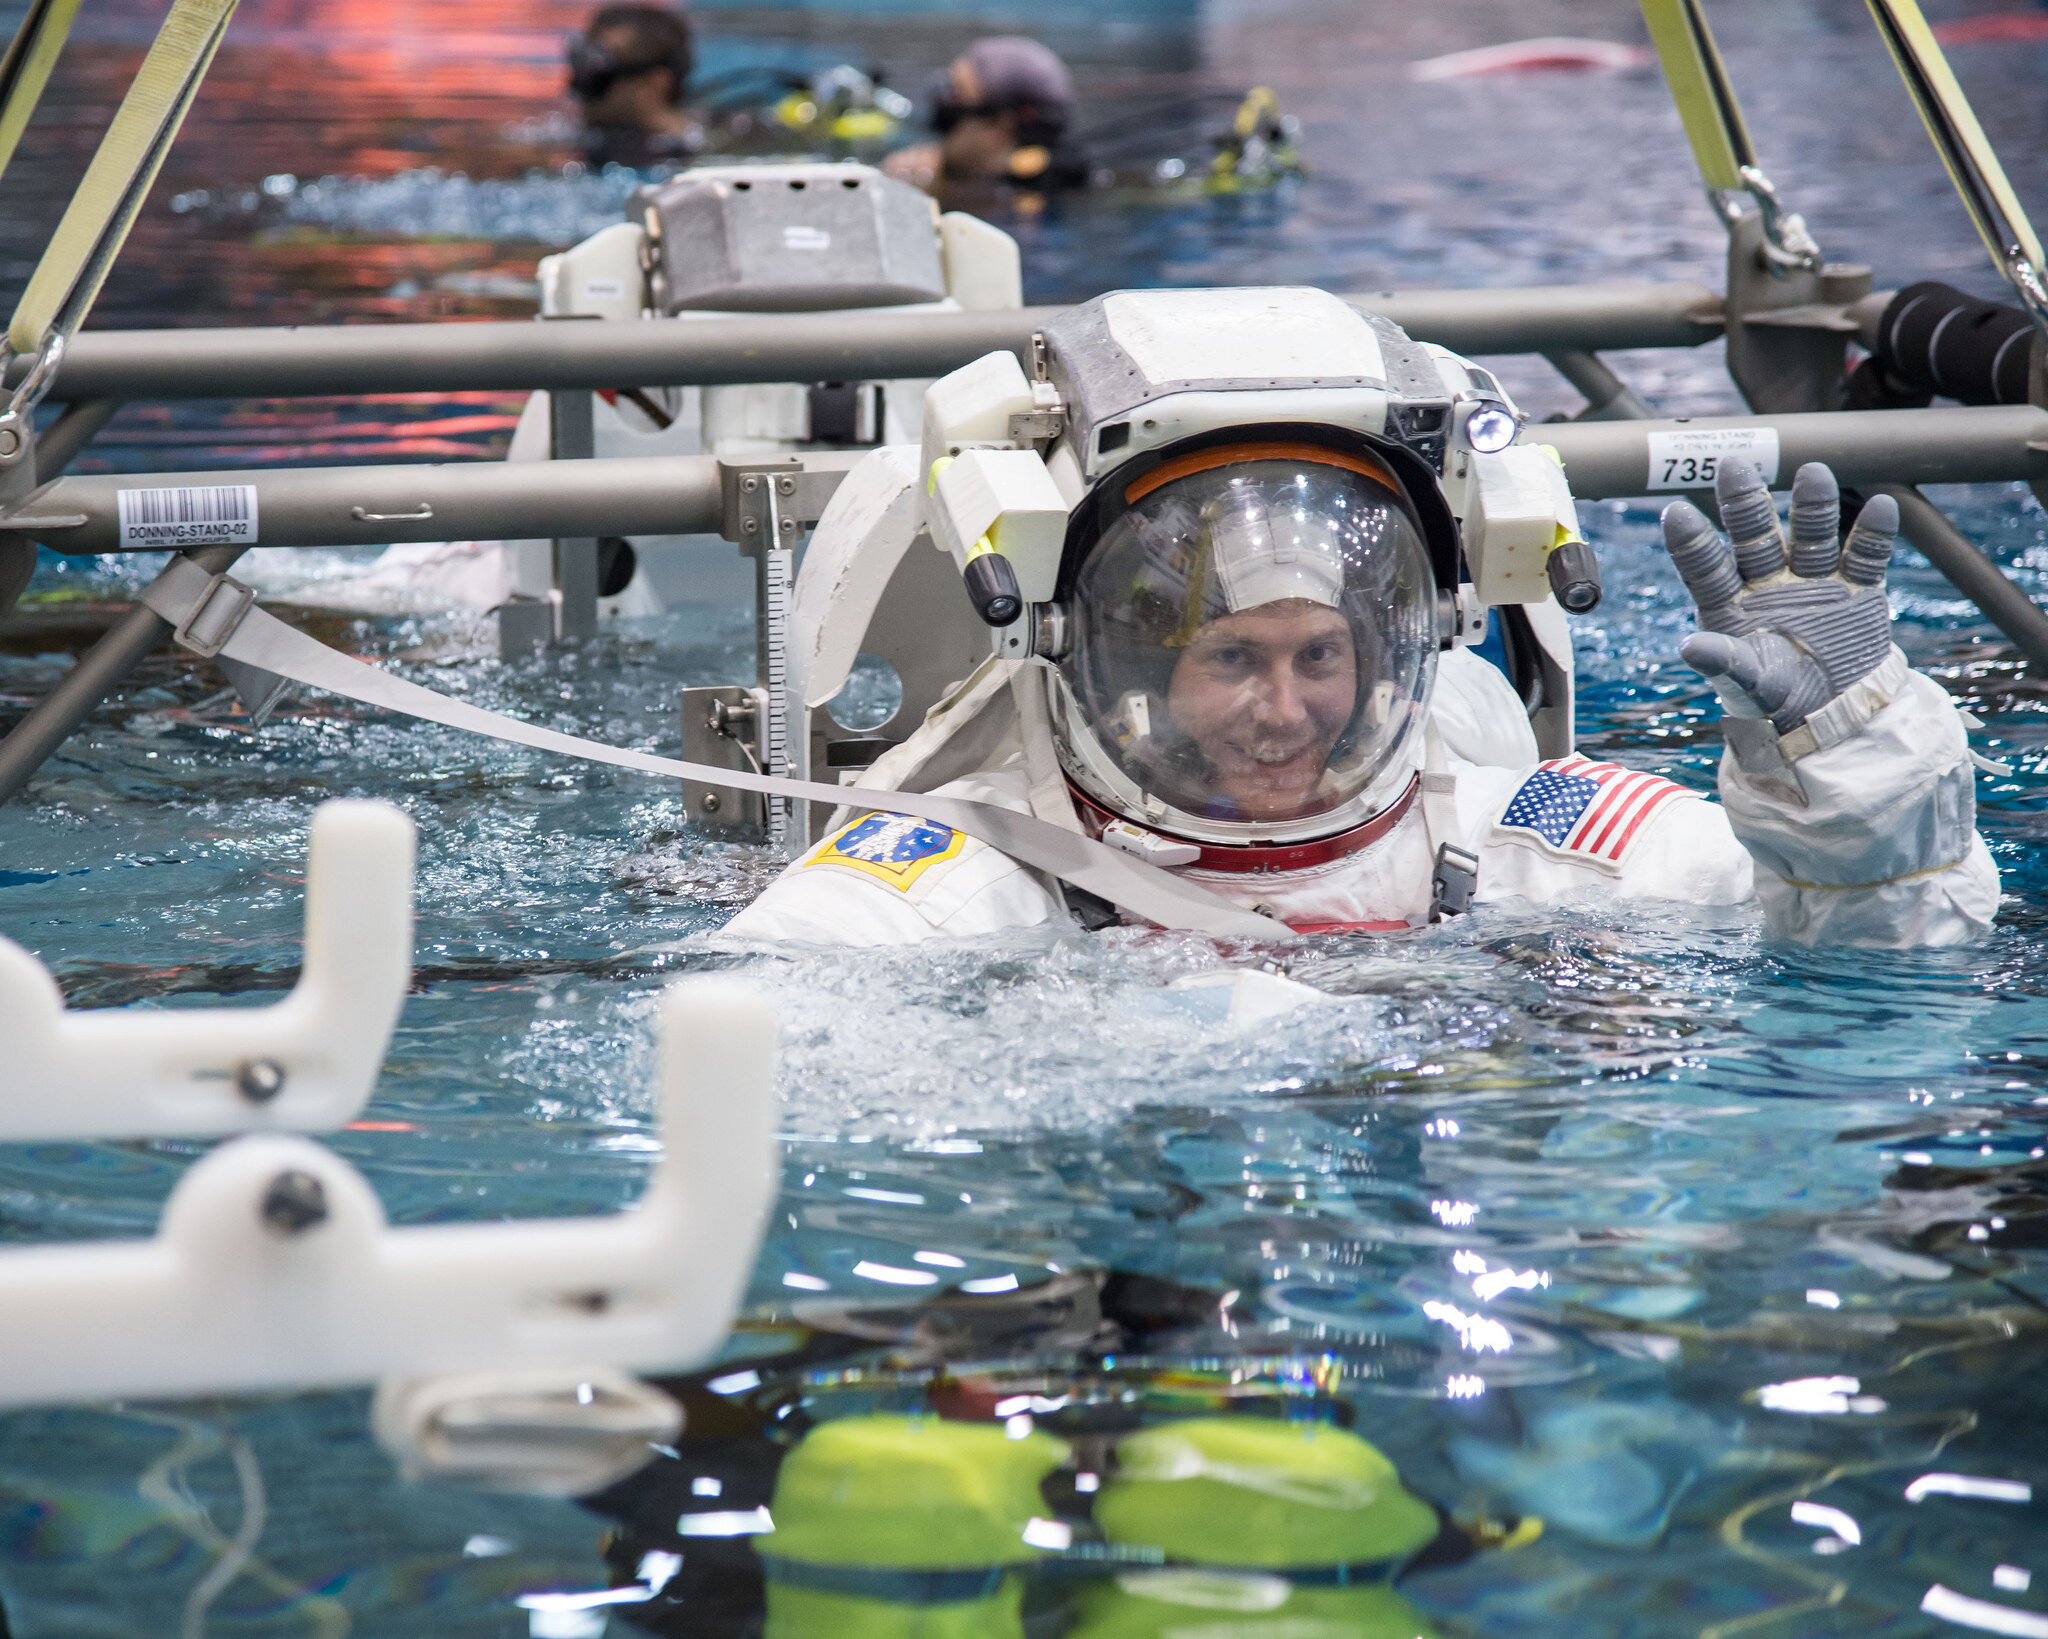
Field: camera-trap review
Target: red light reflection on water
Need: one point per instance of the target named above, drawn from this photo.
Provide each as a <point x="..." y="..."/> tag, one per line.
<point x="345" y="88"/>
<point x="269" y="432"/>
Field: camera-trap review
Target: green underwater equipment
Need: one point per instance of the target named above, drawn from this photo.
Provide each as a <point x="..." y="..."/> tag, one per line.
<point x="1265" y="1527"/>
<point x="892" y="1527"/>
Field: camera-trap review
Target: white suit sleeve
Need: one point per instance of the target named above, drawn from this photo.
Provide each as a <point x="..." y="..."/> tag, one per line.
<point x="1869" y="838"/>
<point x="1573" y="828"/>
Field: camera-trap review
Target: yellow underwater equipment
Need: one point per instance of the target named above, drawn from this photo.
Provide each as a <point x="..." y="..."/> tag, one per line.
<point x="1263" y="1527"/>
<point x="890" y="1527"/>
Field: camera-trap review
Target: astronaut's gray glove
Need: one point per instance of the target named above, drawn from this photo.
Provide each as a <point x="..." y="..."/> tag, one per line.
<point x="1774" y="641"/>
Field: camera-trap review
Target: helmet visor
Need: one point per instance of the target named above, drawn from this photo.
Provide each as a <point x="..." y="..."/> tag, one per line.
<point x="1253" y="637"/>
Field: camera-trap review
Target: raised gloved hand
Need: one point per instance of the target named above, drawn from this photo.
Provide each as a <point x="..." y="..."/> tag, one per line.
<point x="1778" y="641"/>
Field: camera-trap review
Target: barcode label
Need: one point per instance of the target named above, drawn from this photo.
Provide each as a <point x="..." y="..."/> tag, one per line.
<point x="203" y="515"/>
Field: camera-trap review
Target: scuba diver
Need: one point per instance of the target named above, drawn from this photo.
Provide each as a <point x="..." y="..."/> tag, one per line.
<point x="628" y="69"/>
<point x="1252" y="662"/>
<point x="1001" y="116"/>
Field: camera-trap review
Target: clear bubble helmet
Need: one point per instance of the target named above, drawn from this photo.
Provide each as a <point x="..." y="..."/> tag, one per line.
<point x="1252" y="640"/>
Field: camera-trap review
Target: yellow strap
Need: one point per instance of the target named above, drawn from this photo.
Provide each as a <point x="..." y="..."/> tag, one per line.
<point x="1700" y="87"/>
<point x="26" y="68"/>
<point x="1259" y="102"/>
<point x="1858" y="887"/>
<point x="100" y="214"/>
<point x="1972" y="163"/>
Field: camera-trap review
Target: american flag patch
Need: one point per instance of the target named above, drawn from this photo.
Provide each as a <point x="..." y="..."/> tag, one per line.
<point x="1573" y="805"/>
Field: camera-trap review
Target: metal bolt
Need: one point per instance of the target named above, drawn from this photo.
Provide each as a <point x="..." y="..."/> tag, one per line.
<point x="750" y="526"/>
<point x="749" y="485"/>
<point x="789" y="526"/>
<point x="259" y="1080"/>
<point x="10" y="443"/>
<point x="786" y="485"/>
<point x="711" y="802"/>
<point x="293" y="1203"/>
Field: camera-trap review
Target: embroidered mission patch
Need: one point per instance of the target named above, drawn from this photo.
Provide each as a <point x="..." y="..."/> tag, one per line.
<point x="1577" y="808"/>
<point x="893" y="848"/>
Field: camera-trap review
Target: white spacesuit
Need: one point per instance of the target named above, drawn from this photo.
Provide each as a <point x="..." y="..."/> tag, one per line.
<point x="1242" y="654"/>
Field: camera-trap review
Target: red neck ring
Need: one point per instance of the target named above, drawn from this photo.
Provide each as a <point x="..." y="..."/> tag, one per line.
<point x="1267" y="856"/>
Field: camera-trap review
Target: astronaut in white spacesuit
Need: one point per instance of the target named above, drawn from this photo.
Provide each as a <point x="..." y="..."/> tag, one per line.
<point x="1252" y="667"/>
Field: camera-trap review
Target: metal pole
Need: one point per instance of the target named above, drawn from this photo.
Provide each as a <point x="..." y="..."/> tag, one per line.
<point x="1877" y="451"/>
<point x="681" y="495"/>
<point x="1608" y="397"/>
<point x="57" y="446"/>
<point x="1971" y="573"/>
<point x="869" y="345"/>
<point x="375" y="506"/>
<point x="572" y="435"/>
<point x="1612" y="459"/>
<point x="51" y="721"/>
<point x="17" y="569"/>
<point x="468" y="501"/>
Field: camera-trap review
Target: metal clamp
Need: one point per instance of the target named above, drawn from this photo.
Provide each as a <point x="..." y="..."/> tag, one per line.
<point x="1047" y="417"/>
<point x="18" y="418"/>
<point x="35" y="386"/>
<point x="1454" y="882"/>
<point x="423" y="512"/>
<point x="1460" y="617"/>
<point x="214" y="618"/>
<point x="1787" y="243"/>
<point x="771" y="501"/>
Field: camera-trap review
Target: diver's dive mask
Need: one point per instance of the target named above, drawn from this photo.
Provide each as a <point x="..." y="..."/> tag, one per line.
<point x="593" y="70"/>
<point x="1250" y="645"/>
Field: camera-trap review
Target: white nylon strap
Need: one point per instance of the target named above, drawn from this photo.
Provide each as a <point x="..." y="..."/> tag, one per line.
<point x="1439" y="792"/>
<point x="1843" y="717"/>
<point x="192" y="600"/>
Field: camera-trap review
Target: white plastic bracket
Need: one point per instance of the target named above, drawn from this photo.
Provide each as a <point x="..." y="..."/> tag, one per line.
<point x="306" y="1064"/>
<point x="274" y="1268"/>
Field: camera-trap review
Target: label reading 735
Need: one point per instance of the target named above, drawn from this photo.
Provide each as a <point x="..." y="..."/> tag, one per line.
<point x="1691" y="457"/>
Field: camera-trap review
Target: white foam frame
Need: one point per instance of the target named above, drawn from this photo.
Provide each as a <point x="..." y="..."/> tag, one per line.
<point x="305" y="1064"/>
<point x="221" y="1300"/>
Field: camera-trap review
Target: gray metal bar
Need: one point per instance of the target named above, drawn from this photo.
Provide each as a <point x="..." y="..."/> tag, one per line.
<point x="57" y="446"/>
<point x="1971" y="573"/>
<point x="52" y="719"/>
<point x="876" y="345"/>
<point x="1995" y="444"/>
<point x="1543" y="318"/>
<point x="482" y="500"/>
<point x="17" y="569"/>
<point x="572" y="436"/>
<point x="500" y="500"/>
<point x="1608" y="397"/>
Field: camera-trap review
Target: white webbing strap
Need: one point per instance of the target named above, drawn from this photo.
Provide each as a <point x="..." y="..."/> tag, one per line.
<point x="213" y="615"/>
<point x="1843" y="717"/>
<point x="97" y="221"/>
<point x="1454" y="867"/>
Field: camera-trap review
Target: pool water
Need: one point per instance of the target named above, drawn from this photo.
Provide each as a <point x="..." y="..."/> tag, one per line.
<point x="1627" y="1220"/>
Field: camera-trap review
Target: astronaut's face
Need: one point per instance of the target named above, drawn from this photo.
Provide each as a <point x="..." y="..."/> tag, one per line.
<point x="1251" y="642"/>
<point x="1264" y="695"/>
